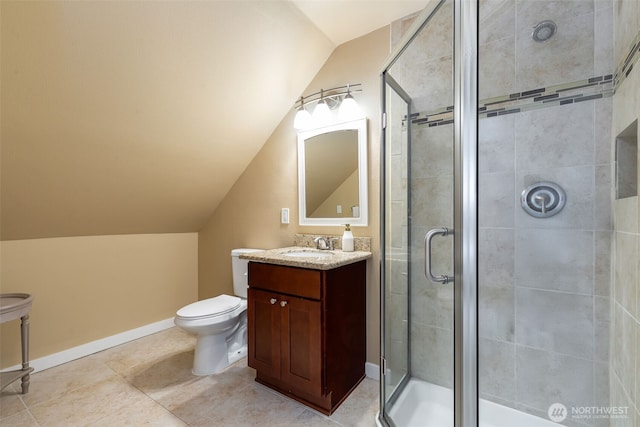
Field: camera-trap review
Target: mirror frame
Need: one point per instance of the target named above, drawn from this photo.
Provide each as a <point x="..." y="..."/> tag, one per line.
<point x="363" y="202"/>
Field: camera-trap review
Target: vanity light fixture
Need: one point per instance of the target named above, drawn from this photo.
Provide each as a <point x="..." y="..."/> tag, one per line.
<point x="327" y="100"/>
<point x="303" y="118"/>
<point x="349" y="109"/>
<point x="321" y="114"/>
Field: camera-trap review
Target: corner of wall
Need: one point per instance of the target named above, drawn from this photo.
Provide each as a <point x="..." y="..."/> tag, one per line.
<point x="249" y="214"/>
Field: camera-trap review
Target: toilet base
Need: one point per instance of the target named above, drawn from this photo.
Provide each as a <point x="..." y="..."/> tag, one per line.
<point x="213" y="354"/>
<point x="236" y="355"/>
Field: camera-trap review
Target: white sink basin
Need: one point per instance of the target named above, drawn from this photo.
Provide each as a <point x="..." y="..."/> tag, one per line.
<point x="308" y="254"/>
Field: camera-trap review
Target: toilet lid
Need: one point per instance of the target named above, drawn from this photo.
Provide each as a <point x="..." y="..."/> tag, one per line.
<point x="210" y="307"/>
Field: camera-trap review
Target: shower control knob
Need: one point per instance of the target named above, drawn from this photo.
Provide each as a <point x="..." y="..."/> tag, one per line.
<point x="283" y="303"/>
<point x="543" y="199"/>
<point x="542" y="202"/>
<point x="273" y="301"/>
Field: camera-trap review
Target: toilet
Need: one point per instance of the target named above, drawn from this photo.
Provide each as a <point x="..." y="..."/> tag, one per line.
<point x="219" y="323"/>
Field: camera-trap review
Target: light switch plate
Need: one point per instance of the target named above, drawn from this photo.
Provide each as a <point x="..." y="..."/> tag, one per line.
<point x="284" y="216"/>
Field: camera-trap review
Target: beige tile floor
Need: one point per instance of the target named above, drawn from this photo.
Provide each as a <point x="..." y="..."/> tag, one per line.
<point x="148" y="382"/>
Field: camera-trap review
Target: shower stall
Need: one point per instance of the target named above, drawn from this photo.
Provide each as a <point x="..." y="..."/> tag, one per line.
<point x="497" y="215"/>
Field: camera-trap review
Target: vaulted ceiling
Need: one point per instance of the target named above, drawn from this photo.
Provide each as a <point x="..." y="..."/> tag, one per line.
<point x="137" y="117"/>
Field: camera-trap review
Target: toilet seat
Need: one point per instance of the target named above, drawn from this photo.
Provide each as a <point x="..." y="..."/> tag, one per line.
<point x="212" y="307"/>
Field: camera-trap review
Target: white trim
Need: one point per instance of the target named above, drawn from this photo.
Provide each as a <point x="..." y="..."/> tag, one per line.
<point x="372" y="371"/>
<point x="83" y="350"/>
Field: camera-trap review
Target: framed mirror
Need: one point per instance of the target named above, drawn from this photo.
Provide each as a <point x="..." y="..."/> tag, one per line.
<point x="332" y="175"/>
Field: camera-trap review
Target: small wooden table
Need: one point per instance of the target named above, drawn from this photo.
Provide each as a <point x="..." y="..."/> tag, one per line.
<point x="14" y="306"/>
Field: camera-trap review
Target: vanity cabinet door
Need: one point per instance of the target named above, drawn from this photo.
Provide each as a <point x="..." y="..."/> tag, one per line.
<point x="285" y="339"/>
<point x="301" y="340"/>
<point x="263" y="315"/>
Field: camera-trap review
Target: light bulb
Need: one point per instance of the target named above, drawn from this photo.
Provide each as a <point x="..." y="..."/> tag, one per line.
<point x="321" y="114"/>
<point x="349" y="109"/>
<point x="302" y="120"/>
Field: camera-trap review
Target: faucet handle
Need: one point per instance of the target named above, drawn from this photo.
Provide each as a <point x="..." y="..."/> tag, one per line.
<point x="332" y="241"/>
<point x="321" y="242"/>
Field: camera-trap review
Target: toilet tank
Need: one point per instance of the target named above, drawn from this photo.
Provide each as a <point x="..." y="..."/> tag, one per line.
<point x="240" y="267"/>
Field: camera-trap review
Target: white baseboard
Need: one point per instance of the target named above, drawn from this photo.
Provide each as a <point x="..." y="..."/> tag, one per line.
<point x="372" y="371"/>
<point x="83" y="350"/>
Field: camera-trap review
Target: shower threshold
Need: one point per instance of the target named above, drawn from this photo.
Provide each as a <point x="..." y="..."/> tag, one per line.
<point x="425" y="404"/>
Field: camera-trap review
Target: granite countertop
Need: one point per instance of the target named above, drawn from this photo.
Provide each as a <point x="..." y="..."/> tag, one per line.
<point x="305" y="257"/>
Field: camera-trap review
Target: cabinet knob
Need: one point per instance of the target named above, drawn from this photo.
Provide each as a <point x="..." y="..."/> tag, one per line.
<point x="273" y="301"/>
<point x="283" y="303"/>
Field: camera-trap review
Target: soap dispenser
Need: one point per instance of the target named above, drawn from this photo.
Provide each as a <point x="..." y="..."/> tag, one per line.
<point x="347" y="239"/>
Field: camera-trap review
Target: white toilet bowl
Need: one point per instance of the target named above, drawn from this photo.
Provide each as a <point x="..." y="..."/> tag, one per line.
<point x="219" y="323"/>
<point x="220" y="326"/>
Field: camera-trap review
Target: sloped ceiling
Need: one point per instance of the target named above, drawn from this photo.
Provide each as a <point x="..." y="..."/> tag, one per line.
<point x="344" y="20"/>
<point x="137" y="117"/>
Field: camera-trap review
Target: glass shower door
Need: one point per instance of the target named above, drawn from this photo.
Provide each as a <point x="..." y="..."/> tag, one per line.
<point x="396" y="263"/>
<point x="417" y="382"/>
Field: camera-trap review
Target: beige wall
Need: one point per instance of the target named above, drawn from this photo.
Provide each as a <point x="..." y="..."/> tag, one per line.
<point x="87" y="288"/>
<point x="138" y="105"/>
<point x="249" y="215"/>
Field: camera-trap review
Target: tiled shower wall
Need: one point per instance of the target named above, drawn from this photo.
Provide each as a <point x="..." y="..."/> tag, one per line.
<point x="544" y="283"/>
<point x="625" y="307"/>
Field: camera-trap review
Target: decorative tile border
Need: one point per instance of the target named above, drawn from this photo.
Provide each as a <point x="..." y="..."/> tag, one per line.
<point x="631" y="59"/>
<point x="562" y="94"/>
<point x="566" y="93"/>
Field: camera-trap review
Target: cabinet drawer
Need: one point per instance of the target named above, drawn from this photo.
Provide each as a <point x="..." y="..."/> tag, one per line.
<point x="288" y="280"/>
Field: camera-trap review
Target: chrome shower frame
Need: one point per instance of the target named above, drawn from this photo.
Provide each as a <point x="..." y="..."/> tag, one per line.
<point x="465" y="211"/>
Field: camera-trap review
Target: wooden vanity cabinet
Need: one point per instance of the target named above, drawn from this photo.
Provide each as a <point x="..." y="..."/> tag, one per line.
<point x="307" y="331"/>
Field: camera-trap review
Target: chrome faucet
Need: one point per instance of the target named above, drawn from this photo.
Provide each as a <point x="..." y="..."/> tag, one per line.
<point x="324" y="243"/>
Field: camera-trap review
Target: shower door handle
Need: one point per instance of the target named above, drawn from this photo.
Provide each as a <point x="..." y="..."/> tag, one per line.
<point x="444" y="232"/>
